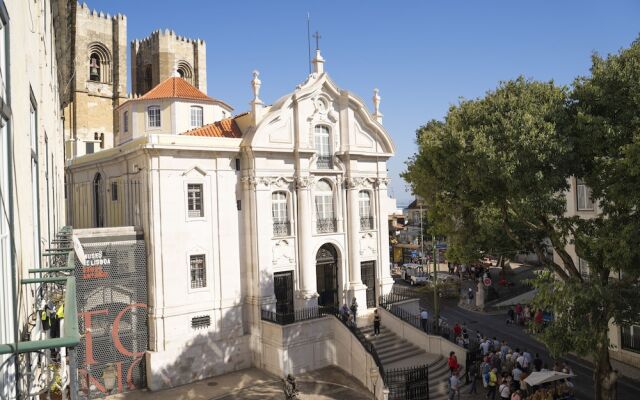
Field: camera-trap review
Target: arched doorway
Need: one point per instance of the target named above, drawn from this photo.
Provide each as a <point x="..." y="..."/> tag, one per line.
<point x="327" y="275"/>
<point x="98" y="201"/>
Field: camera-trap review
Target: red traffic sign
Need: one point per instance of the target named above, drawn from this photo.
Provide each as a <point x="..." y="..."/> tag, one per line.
<point x="487" y="281"/>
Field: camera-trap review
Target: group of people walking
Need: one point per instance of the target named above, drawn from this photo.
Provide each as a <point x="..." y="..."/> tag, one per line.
<point x="503" y="372"/>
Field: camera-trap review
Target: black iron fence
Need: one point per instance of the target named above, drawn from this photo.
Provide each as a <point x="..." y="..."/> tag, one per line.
<point x="104" y="202"/>
<point x="408" y="383"/>
<point x="629" y="340"/>
<point x="300" y="315"/>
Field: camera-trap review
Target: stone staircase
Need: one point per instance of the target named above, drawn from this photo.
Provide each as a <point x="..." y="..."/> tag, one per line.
<point x="395" y="352"/>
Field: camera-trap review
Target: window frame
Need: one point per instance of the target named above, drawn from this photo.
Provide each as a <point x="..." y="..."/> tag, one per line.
<point x="280" y="206"/>
<point x="197" y="109"/>
<point x="204" y="284"/>
<point x="323" y="153"/>
<point x="582" y="188"/>
<point x="364" y="196"/>
<point x="154" y="108"/>
<point x="125" y="121"/>
<point x="189" y="216"/>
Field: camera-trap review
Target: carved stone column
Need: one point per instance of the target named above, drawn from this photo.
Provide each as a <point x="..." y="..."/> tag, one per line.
<point x="356" y="288"/>
<point x="385" y="279"/>
<point x="308" y="289"/>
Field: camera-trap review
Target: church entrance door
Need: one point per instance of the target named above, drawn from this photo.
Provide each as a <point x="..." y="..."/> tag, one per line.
<point x="327" y="275"/>
<point x="368" y="273"/>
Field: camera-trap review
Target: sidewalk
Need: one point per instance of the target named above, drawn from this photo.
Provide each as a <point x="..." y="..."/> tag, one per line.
<point x="249" y="384"/>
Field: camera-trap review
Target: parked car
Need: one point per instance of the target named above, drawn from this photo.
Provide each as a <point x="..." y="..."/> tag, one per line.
<point x="442" y="276"/>
<point x="414" y="274"/>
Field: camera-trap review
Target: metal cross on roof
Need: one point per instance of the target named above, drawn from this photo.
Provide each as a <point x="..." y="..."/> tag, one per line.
<point x="317" y="37"/>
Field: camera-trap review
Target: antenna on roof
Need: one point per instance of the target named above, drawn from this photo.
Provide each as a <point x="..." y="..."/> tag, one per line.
<point x="309" y="41"/>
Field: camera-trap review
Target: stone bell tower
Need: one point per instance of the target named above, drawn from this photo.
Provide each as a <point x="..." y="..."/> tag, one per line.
<point x="153" y="59"/>
<point x="97" y="77"/>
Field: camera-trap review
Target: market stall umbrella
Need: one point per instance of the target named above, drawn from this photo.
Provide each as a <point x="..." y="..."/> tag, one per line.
<point x="538" y="378"/>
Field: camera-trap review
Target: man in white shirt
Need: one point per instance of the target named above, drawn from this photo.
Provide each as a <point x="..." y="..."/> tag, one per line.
<point x="424" y="317"/>
<point x="454" y="386"/>
<point x="485" y="347"/>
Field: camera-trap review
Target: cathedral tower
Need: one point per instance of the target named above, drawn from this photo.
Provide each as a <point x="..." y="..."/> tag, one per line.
<point x="97" y="79"/>
<point x="154" y="59"/>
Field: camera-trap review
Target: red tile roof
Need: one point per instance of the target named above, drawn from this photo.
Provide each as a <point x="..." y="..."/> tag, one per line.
<point x="223" y="128"/>
<point x="175" y="87"/>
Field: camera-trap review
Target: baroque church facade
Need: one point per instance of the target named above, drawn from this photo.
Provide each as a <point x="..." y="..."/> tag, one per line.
<point x="280" y="209"/>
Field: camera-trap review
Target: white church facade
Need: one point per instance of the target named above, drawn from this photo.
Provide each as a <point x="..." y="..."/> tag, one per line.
<point x="280" y="209"/>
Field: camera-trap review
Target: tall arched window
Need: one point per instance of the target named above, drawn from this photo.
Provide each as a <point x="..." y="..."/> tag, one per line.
<point x="364" y="201"/>
<point x="185" y="71"/>
<point x="323" y="146"/>
<point x="98" y="201"/>
<point x="99" y="63"/>
<point x="325" y="215"/>
<point x="280" y="214"/>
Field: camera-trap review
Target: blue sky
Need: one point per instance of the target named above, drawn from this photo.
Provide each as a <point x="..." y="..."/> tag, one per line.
<point x="422" y="55"/>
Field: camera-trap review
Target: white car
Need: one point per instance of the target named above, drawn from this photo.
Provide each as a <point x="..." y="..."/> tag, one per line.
<point x="442" y="276"/>
<point x="414" y="274"/>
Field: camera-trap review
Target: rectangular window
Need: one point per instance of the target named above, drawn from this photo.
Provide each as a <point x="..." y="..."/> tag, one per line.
<point x="89" y="147"/>
<point x="114" y="191"/>
<point x="194" y="200"/>
<point x="323" y="146"/>
<point x="153" y="117"/>
<point x="630" y="338"/>
<point x="279" y="214"/>
<point x="198" y="271"/>
<point x="583" y="268"/>
<point x="125" y="121"/>
<point x="237" y="164"/>
<point x="196" y="116"/>
<point x="35" y="183"/>
<point x="583" y="196"/>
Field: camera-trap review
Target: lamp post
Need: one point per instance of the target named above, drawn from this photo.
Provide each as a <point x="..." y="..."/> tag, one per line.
<point x="436" y="306"/>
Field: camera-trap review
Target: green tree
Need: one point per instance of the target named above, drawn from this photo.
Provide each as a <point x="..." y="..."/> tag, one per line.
<point x="495" y="172"/>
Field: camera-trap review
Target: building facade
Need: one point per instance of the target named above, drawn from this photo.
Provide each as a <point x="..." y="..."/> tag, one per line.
<point x="624" y="341"/>
<point x="31" y="163"/>
<point x="283" y="208"/>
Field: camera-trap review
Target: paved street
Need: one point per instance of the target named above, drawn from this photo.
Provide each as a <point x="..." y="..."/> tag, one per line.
<point x="494" y="325"/>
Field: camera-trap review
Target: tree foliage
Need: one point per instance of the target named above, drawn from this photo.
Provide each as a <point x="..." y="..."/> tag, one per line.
<point x="494" y="175"/>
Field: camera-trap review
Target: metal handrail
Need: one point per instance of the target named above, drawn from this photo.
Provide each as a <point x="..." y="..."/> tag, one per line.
<point x="71" y="334"/>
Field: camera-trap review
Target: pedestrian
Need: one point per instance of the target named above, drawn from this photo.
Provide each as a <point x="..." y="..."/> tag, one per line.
<point x="454" y="386"/>
<point x="537" y="363"/>
<point x="485" y="369"/>
<point x="485" y="347"/>
<point x="517" y="395"/>
<point x="344" y="312"/>
<point x="376" y="323"/>
<point x="354" y="310"/>
<point x="538" y="319"/>
<point x="504" y="390"/>
<point x="493" y="383"/>
<point x="457" y="329"/>
<point x="469" y="296"/>
<point x="473" y="377"/>
<point x="453" y="362"/>
<point x="510" y="316"/>
<point x="518" y="312"/>
<point x="424" y="319"/>
<point x="526" y="315"/>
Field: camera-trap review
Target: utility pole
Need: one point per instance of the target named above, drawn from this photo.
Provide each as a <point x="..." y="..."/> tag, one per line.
<point x="436" y="305"/>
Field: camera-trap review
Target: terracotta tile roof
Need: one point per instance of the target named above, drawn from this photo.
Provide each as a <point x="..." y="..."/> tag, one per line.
<point x="223" y="128"/>
<point x="175" y="87"/>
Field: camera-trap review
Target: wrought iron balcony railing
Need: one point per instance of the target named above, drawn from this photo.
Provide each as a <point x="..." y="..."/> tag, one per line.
<point x="326" y="225"/>
<point x="366" y="223"/>
<point x="281" y="228"/>
<point x="324" y="162"/>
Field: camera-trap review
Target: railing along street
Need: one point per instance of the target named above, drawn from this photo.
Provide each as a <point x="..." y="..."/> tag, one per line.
<point x="47" y="367"/>
<point x="629" y="341"/>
